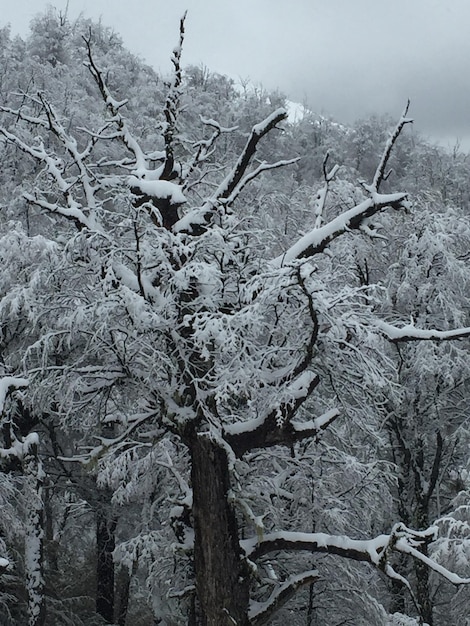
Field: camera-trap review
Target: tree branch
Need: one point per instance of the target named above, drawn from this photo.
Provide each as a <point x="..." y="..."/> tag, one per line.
<point x="269" y="431"/>
<point x="170" y="110"/>
<point x="410" y="333"/>
<point x="201" y="216"/>
<point x="380" y="175"/>
<point x="205" y="148"/>
<point x="318" y="239"/>
<point x="374" y="551"/>
<point x="263" y="167"/>
<point x="113" y="107"/>
<point x="261" y="612"/>
<point x="369" y="551"/>
<point x="322" y="194"/>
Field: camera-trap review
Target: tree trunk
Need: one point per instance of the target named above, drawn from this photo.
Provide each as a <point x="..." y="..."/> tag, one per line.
<point x="123" y="585"/>
<point x="105" y="544"/>
<point x="34" y="537"/>
<point x="398" y="592"/>
<point x="222" y="576"/>
<point x="311" y="607"/>
<point x="421" y="570"/>
<point x="422" y="590"/>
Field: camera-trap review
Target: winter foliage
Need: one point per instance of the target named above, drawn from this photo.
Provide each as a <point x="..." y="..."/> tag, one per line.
<point x="233" y="351"/>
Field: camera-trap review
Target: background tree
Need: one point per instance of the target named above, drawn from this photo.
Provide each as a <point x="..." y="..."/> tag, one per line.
<point x="189" y="354"/>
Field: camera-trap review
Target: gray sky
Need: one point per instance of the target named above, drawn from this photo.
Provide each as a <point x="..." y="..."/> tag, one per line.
<point x="346" y="58"/>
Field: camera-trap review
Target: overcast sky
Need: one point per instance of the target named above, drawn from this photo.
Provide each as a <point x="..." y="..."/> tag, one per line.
<point x="345" y="58"/>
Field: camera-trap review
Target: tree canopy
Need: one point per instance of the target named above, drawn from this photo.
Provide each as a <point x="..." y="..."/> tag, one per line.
<point x="233" y="369"/>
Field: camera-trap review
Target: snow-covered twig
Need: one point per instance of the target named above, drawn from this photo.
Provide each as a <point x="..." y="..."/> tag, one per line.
<point x="380" y="174"/>
<point x="70" y="144"/>
<point x="170" y="110"/>
<point x="204" y="150"/>
<point x="269" y="431"/>
<point x="320" y="237"/>
<point x="114" y="107"/>
<point x="73" y="211"/>
<point x="261" y="612"/>
<point x="263" y="167"/>
<point x="320" y="201"/>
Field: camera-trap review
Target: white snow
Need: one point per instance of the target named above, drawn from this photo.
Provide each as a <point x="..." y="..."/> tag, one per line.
<point x="317" y="236"/>
<point x="6" y="383"/>
<point x="259" y="129"/>
<point x="318" y="423"/>
<point x="20" y="448"/>
<point x="159" y="189"/>
<point x="371" y="548"/>
<point x="403" y="545"/>
<point x="300" y="386"/>
<point x="244" y="427"/>
<point x="409" y="331"/>
<point x="295" y="111"/>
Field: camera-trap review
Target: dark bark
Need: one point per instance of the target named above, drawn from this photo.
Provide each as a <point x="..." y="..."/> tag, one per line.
<point x="123" y="584"/>
<point x="423" y="594"/>
<point x="105" y="544"/>
<point x="269" y="433"/>
<point x="222" y="576"/>
<point x="164" y="208"/>
<point x="422" y="591"/>
<point x="311" y="605"/>
<point x="398" y="591"/>
<point x="416" y="486"/>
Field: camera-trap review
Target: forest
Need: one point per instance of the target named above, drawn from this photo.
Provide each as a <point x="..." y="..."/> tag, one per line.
<point x="233" y="351"/>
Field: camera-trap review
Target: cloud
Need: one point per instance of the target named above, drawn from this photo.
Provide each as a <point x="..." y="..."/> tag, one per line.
<point x="348" y="58"/>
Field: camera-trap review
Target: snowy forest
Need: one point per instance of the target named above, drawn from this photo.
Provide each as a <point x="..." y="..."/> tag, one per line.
<point x="233" y="353"/>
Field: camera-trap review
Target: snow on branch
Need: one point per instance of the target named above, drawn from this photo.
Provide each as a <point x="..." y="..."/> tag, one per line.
<point x="70" y="144"/>
<point x="72" y="213"/>
<point x="123" y="440"/>
<point x="320" y="236"/>
<point x="9" y="384"/>
<point x="261" y="612"/>
<point x="18" y="447"/>
<point x="358" y="550"/>
<point x="374" y="551"/>
<point x="262" y="167"/>
<point x="380" y="174"/>
<point x="314" y="427"/>
<point x="268" y="431"/>
<point x="257" y="133"/>
<point x="19" y="114"/>
<point x="409" y="332"/>
<point x="113" y="106"/>
<point x="170" y="110"/>
<point x="318" y="239"/>
<point x="202" y="215"/>
<point x="53" y="166"/>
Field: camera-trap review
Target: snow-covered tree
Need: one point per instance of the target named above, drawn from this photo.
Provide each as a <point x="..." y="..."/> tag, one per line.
<point x="174" y="351"/>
